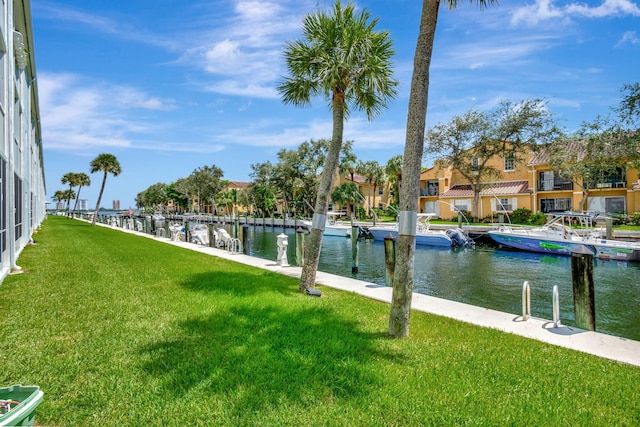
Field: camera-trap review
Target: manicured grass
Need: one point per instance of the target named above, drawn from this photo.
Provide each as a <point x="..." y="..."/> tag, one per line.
<point x="122" y="330"/>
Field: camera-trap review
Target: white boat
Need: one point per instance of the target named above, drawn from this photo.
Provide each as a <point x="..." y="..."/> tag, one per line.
<point x="334" y="228"/>
<point x="425" y="236"/>
<point x="559" y="237"/>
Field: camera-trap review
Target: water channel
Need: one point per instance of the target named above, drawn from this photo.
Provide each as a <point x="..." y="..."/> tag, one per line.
<point x="485" y="276"/>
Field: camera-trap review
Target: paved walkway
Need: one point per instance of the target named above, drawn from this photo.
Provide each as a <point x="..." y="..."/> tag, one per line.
<point x="607" y="346"/>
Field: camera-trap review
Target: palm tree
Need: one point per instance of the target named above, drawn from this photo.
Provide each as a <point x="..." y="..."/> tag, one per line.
<point x="344" y="60"/>
<point x="70" y="178"/>
<point x="377" y="178"/>
<point x="393" y="170"/>
<point x="107" y="164"/>
<point x="346" y="195"/>
<point x="82" y="180"/>
<point x="412" y="166"/>
<point x="59" y="196"/>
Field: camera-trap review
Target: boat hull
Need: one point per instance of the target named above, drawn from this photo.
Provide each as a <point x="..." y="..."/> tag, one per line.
<point x="602" y="249"/>
<point x="332" y="230"/>
<point x="423" y="239"/>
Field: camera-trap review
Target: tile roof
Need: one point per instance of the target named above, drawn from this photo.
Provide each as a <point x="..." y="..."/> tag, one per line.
<point x="541" y="157"/>
<point x="492" y="189"/>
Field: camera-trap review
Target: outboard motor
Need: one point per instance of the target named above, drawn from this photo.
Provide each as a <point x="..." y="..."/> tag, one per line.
<point x="364" y="233"/>
<point x="459" y="238"/>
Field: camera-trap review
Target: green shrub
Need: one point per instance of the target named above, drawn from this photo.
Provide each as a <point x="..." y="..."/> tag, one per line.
<point x="520" y="216"/>
<point x="634" y="219"/>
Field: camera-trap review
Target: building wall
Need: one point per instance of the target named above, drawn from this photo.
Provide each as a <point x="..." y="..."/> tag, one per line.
<point x="22" y="183"/>
<point x="566" y="197"/>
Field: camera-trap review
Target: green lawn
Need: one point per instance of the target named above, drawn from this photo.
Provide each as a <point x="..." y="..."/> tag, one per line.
<point x="122" y="330"/>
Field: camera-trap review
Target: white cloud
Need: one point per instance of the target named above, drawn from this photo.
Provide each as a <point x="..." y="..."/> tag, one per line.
<point x="628" y="37"/>
<point x="606" y="9"/>
<point x="80" y="115"/>
<point x="543" y="10"/>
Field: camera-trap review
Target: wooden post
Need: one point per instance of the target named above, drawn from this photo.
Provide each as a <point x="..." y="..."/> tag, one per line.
<point x="355" y="232"/>
<point x="186" y="230"/>
<point x="245" y="239"/>
<point x="300" y="233"/>
<point x="584" y="304"/>
<point x="235" y="227"/>
<point x="212" y="235"/>
<point x="459" y="220"/>
<point x="609" y="224"/>
<point x="390" y="257"/>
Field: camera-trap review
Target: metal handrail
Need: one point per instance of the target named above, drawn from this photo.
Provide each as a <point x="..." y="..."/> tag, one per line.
<point x="556" y="307"/>
<point x="526" y="301"/>
<point x="234" y="246"/>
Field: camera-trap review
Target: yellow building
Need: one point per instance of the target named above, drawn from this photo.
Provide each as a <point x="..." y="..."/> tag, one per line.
<point x="530" y="184"/>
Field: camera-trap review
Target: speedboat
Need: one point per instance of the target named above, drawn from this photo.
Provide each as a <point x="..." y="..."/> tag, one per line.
<point x="425" y="235"/>
<point x="558" y="236"/>
<point x="334" y="228"/>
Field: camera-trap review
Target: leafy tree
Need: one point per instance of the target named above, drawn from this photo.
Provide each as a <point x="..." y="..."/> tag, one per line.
<point x="155" y="197"/>
<point x="469" y="143"/>
<point x="178" y="198"/>
<point x="412" y="165"/>
<point x="343" y="59"/>
<point x="107" y="164"/>
<point x="600" y="148"/>
<point x="205" y="182"/>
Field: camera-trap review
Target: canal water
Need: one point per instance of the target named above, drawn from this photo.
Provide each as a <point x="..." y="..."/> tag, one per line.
<point x="485" y="276"/>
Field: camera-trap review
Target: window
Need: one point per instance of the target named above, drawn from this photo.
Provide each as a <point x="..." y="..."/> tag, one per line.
<point x="555" y="205"/>
<point x="504" y="204"/>
<point x="462" y="205"/>
<point x="553" y="181"/>
<point x="380" y="191"/>
<point x="17" y="188"/>
<point x="510" y="161"/>
<point x="432" y="188"/>
<point x="475" y="163"/>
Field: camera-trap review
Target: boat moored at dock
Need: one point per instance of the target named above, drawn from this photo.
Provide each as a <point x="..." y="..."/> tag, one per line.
<point x="558" y="236"/>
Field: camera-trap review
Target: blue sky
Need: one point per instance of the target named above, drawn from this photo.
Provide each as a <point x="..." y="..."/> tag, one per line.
<point x="168" y="86"/>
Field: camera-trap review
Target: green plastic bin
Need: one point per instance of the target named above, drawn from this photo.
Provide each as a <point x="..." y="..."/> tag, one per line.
<point x="22" y="402"/>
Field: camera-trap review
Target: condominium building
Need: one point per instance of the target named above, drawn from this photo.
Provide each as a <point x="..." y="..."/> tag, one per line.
<point x="22" y="208"/>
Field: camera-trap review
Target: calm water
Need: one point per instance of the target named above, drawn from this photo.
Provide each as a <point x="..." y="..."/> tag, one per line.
<point x="485" y="276"/>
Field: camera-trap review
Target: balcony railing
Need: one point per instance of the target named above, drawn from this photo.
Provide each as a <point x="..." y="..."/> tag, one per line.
<point x="612" y="184"/>
<point x="429" y="192"/>
<point x="554" y="186"/>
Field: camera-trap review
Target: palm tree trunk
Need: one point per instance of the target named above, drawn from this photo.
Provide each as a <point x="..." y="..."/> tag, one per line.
<point x="75" y="205"/>
<point x="312" y="249"/>
<point x="410" y="189"/>
<point x="95" y="214"/>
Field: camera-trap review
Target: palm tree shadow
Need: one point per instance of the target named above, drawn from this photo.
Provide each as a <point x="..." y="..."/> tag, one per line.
<point x="242" y="283"/>
<point x="312" y="351"/>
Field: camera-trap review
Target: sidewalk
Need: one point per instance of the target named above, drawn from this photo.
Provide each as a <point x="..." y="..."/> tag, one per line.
<point x="602" y="345"/>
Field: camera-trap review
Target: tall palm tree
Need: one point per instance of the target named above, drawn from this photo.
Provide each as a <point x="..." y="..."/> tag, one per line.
<point x="107" y="164"/>
<point x="343" y="59"/>
<point x="377" y="178"/>
<point x="412" y="166"/>
<point x="393" y="170"/>
<point x="70" y="178"/>
<point x="82" y="180"/>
